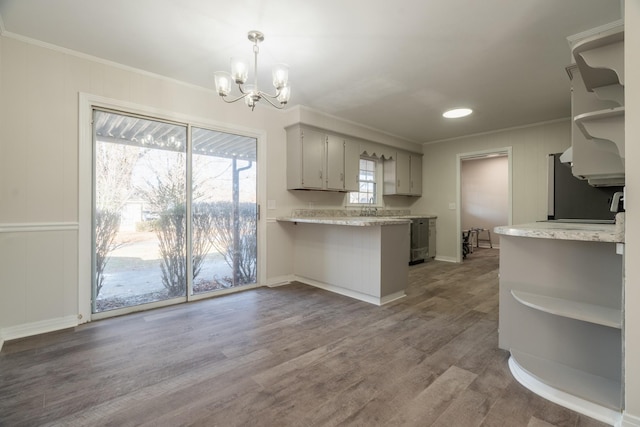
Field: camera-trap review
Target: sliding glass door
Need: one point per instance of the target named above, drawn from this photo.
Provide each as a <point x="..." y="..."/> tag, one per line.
<point x="224" y="214"/>
<point x="174" y="211"/>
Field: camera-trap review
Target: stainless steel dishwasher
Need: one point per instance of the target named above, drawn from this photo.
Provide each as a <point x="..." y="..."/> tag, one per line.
<point x="419" y="240"/>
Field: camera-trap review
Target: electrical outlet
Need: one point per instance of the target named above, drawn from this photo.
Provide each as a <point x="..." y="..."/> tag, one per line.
<point x="452" y="206"/>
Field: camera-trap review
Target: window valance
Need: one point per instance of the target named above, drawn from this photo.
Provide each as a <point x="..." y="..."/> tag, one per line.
<point x="380" y="151"/>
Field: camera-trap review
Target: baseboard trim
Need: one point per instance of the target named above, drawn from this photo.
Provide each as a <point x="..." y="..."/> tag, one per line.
<point x="36" y="328"/>
<point x="629" y="420"/>
<point x="392" y="297"/>
<point x="349" y="293"/>
<point x="445" y="258"/>
<point x="274" y="282"/>
<point x="562" y="398"/>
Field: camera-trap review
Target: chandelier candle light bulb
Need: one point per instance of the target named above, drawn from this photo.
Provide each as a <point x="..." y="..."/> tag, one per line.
<point x="223" y="83"/>
<point x="251" y="96"/>
<point x="285" y="93"/>
<point x="280" y="76"/>
<point x="250" y="93"/>
<point x="239" y="70"/>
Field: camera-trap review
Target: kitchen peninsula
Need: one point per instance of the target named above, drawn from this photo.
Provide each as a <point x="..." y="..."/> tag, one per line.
<point x="363" y="257"/>
<point x="561" y="291"/>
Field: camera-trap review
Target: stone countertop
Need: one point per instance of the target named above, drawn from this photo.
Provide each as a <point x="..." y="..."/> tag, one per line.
<point x="414" y="216"/>
<point x="568" y="231"/>
<point x="352" y="217"/>
<point x="358" y="212"/>
<point x="358" y="221"/>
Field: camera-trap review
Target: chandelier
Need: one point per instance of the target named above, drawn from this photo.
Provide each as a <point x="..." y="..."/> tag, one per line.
<point x="250" y="92"/>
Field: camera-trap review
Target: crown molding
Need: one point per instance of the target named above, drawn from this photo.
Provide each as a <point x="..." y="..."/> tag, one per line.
<point x="573" y="39"/>
<point x="490" y="132"/>
<point x="97" y="59"/>
<point x="301" y="108"/>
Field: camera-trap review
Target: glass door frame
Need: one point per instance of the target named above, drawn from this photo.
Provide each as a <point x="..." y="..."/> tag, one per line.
<point x="187" y="155"/>
<point x="87" y="104"/>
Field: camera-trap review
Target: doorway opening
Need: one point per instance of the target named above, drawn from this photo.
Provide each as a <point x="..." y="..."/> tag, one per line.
<point x="484" y="198"/>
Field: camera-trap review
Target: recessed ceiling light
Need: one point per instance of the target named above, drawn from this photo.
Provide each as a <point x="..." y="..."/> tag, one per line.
<point x="457" y="113"/>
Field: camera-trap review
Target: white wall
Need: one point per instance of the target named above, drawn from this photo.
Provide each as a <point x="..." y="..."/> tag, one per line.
<point x="40" y="172"/>
<point x="632" y="234"/>
<point x="530" y="147"/>
<point x="484" y="194"/>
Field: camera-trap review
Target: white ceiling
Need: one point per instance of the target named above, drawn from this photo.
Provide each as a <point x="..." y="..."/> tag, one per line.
<point x="391" y="65"/>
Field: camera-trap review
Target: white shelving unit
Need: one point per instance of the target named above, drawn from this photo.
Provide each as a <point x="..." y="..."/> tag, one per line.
<point x="581" y="384"/>
<point x="597" y="104"/>
<point x="572" y="309"/>
<point x="561" y="315"/>
<point x="604" y="124"/>
<point x="601" y="59"/>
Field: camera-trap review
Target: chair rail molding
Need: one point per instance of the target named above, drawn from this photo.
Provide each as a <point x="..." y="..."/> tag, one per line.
<point x="23" y="227"/>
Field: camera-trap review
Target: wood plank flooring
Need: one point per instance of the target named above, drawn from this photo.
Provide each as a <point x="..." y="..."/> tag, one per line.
<point x="288" y="356"/>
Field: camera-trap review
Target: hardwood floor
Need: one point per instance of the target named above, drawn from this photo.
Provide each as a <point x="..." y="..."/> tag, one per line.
<point x="288" y="356"/>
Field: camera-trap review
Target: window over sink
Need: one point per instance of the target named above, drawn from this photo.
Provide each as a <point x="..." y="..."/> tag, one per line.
<point x="370" y="174"/>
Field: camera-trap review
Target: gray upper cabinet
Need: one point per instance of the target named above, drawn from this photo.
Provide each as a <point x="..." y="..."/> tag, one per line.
<point x="335" y="163"/>
<point x="317" y="160"/>
<point x="403" y="174"/>
<point x="305" y="158"/>
<point x="416" y="175"/>
<point x="351" y="165"/>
